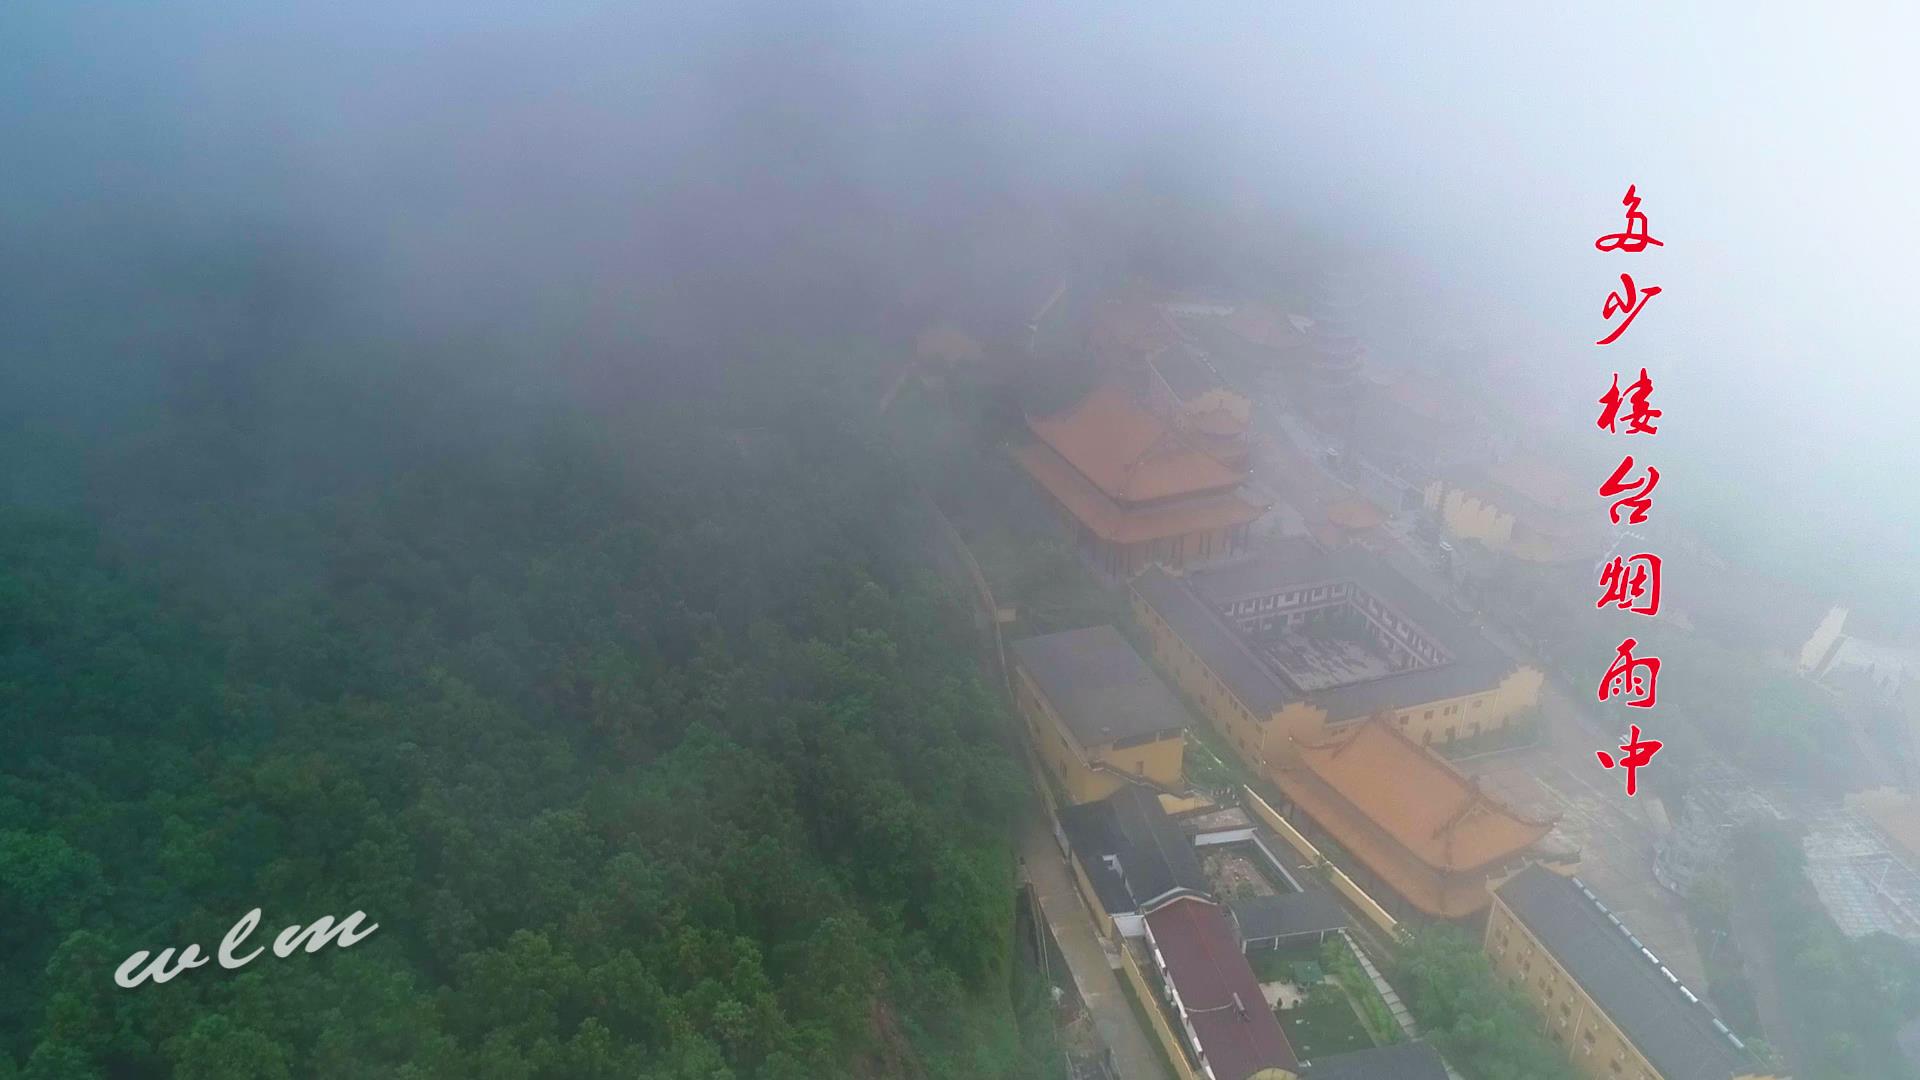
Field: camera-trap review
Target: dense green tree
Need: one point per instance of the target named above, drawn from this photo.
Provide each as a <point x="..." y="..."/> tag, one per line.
<point x="1486" y="1028"/>
<point x="654" y="749"/>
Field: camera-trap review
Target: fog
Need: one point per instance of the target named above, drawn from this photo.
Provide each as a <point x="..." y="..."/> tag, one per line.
<point x="579" y="178"/>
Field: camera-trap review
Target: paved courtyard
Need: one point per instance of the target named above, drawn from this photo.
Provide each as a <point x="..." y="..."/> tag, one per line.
<point x="1615" y="835"/>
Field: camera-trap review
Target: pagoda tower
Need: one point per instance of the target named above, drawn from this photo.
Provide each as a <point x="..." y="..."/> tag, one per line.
<point x="1330" y="379"/>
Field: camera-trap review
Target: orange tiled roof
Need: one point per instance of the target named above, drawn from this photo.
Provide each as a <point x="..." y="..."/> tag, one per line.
<point x="1127" y="452"/>
<point x="1409" y="816"/>
<point x="1119" y="524"/>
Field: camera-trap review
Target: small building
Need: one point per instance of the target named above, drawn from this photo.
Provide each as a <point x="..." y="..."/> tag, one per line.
<point x="1214" y="996"/>
<point x="1415" y="1060"/>
<point x="1133" y="856"/>
<point x="1098" y="716"/>
<point x="1275" y="921"/>
<point x="1134" y="489"/>
<point x="1608" y="1001"/>
<point x="1523" y="507"/>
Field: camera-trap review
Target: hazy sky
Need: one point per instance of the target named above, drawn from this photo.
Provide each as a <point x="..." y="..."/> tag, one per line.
<point x="473" y="161"/>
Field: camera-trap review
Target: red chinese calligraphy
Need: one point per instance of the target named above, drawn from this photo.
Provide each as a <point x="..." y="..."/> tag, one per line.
<point x="1640" y="415"/>
<point x="1634" y="753"/>
<point x="1635" y="238"/>
<point x="1639" y="493"/>
<point x="1632" y="303"/>
<point x="1630" y="674"/>
<point x="1631" y="584"/>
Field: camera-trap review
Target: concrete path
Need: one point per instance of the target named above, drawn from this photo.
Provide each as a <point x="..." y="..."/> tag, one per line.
<point x="1135" y="1055"/>
<point x="1387" y="993"/>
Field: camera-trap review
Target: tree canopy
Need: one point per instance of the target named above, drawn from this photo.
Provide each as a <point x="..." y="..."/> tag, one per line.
<point x="643" y="732"/>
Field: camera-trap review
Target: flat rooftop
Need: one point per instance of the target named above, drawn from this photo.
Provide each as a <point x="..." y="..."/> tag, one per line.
<point x="1099" y="686"/>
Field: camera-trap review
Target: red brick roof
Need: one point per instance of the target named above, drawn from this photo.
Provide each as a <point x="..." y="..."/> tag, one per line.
<point x="1236" y="1028"/>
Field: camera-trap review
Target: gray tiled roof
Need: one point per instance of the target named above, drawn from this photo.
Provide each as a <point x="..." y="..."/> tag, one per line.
<point x="1309" y="912"/>
<point x="1217" y="643"/>
<point x="1191" y="606"/>
<point x="1400" y="1061"/>
<point x="1099" y="686"/>
<point x="1186" y="370"/>
<point x="1155" y="857"/>
<point x="1676" y="1035"/>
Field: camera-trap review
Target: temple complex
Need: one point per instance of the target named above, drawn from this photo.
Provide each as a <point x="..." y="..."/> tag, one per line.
<point x="1330" y="674"/>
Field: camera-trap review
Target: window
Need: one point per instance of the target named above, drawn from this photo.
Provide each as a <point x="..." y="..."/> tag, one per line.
<point x="1428" y="716"/>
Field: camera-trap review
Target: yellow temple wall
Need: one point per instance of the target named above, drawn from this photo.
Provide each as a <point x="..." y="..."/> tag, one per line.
<point x="1466" y="516"/>
<point x="1077" y="768"/>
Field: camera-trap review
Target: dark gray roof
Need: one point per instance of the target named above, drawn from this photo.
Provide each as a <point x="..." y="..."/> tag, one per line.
<point x="1216" y="642"/>
<point x="1191" y="605"/>
<point x="1676" y="1035"/>
<point x="1156" y="859"/>
<point x="1186" y="370"/>
<point x="1400" y="1061"/>
<point x="1099" y="686"/>
<point x="1309" y="912"/>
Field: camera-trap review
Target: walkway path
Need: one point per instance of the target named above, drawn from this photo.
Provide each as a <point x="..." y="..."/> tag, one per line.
<point x="1093" y="967"/>
<point x="1387" y="994"/>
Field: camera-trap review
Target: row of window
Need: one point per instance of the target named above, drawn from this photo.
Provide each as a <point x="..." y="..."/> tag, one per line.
<point x="1283" y="600"/>
<point x="1549" y="979"/>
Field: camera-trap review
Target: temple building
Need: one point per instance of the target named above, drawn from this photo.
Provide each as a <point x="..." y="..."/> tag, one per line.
<point x="1331" y="674"/>
<point x="1099" y="718"/>
<point x="1614" y="1010"/>
<point x="1134" y="489"/>
<point x="1414" y="823"/>
<point x="1330" y="383"/>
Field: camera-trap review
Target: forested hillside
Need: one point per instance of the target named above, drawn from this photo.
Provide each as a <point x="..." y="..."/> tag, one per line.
<point x="644" y="733"/>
